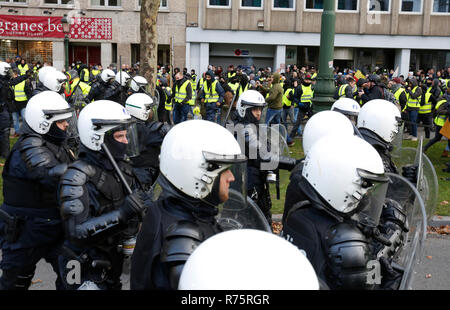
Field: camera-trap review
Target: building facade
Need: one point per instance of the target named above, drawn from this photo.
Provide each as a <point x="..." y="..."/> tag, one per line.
<point x="403" y="34"/>
<point x="117" y="37"/>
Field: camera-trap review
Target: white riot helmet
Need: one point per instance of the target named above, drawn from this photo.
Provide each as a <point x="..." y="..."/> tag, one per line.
<point x="44" y="71"/>
<point x="4" y="68"/>
<point x="249" y="99"/>
<point x="347" y="106"/>
<point x="381" y="117"/>
<point x="139" y="106"/>
<point x="194" y="153"/>
<point x="325" y="123"/>
<point x="343" y="169"/>
<point x="138" y="82"/>
<point x="122" y="78"/>
<point x="98" y="118"/>
<point x="54" y="81"/>
<point x="232" y="261"/>
<point x="44" y="109"/>
<point x="107" y="75"/>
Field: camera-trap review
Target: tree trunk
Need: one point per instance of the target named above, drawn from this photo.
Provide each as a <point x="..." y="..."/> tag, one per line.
<point x="149" y="41"/>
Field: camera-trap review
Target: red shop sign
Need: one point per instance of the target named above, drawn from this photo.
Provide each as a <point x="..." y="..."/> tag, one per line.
<point x="51" y="27"/>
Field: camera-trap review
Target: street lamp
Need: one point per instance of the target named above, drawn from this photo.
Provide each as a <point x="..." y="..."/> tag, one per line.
<point x="325" y="87"/>
<point x="66" y="29"/>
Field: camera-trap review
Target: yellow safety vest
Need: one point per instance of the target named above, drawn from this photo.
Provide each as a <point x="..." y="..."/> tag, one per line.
<point x="95" y="72"/>
<point x="440" y="119"/>
<point x="414" y="103"/>
<point x="307" y="94"/>
<point x="231" y="75"/>
<point x="342" y="89"/>
<point x="397" y="95"/>
<point x="194" y="94"/>
<point x="181" y="93"/>
<point x="19" y="92"/>
<point x="86" y="75"/>
<point x="168" y="103"/>
<point x="234" y="87"/>
<point x="241" y="90"/>
<point x="427" y="107"/>
<point x="286" y="100"/>
<point x="211" y="95"/>
<point x="23" y="69"/>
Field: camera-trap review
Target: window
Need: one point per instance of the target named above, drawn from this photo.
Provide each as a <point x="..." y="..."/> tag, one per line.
<point x="114" y="3"/>
<point x="162" y="4"/>
<point x="219" y="3"/>
<point x="13" y="1"/>
<point x="314" y="4"/>
<point x="58" y="2"/>
<point x="411" y="6"/>
<point x="380" y="5"/>
<point x="249" y="4"/>
<point x="441" y="6"/>
<point x="283" y="4"/>
<point x="347" y="5"/>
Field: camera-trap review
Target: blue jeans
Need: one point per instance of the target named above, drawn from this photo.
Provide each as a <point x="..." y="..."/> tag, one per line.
<point x="180" y="112"/>
<point x="213" y="113"/>
<point x="15" y="116"/>
<point x="273" y="116"/>
<point x="413" y="115"/>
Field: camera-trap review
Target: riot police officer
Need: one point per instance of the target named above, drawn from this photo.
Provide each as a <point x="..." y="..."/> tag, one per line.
<point x="150" y="136"/>
<point x="247" y="118"/>
<point x="51" y="80"/>
<point x="195" y="162"/>
<point x="30" y="216"/>
<point x="379" y="123"/>
<point x="100" y="205"/>
<point x="101" y="89"/>
<point x="335" y="221"/>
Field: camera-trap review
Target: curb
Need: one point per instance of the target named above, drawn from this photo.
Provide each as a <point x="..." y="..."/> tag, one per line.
<point x="436" y="221"/>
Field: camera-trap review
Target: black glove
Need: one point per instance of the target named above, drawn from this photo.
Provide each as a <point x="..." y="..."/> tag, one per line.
<point x="391" y="278"/>
<point x="58" y="170"/>
<point x="134" y="205"/>
<point x="393" y="212"/>
<point x="410" y="172"/>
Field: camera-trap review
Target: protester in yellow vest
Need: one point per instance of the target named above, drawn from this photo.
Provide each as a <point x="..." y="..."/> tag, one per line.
<point x="22" y="92"/>
<point x="182" y="95"/>
<point x="442" y="114"/>
<point x="413" y="106"/>
<point x="23" y="67"/>
<point x="425" y="113"/>
<point x="212" y="95"/>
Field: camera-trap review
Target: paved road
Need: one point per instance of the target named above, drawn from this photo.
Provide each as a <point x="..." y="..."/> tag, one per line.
<point x="434" y="262"/>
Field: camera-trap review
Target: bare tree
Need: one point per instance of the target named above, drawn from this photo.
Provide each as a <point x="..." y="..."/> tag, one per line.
<point x="149" y="40"/>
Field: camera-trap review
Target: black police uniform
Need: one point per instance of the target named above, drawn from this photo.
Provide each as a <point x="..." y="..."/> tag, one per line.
<point x="257" y="184"/>
<point x="173" y="227"/>
<point x="35" y="230"/>
<point x="98" y="215"/>
<point x="146" y="165"/>
<point x="338" y="248"/>
<point x="103" y="91"/>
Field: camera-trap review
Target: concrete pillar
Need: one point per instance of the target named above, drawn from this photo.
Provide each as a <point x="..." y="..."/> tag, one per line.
<point x="106" y="54"/>
<point x="235" y="15"/>
<point x="426" y="17"/>
<point x="363" y="16"/>
<point x="299" y="16"/>
<point x="395" y="7"/>
<point x="188" y="56"/>
<point x="280" y="58"/>
<point x="204" y="57"/>
<point x="58" y="55"/>
<point x="402" y="61"/>
<point x="267" y="14"/>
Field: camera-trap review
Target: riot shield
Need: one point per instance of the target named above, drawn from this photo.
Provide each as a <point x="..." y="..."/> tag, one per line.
<point x="277" y="139"/>
<point x="427" y="181"/>
<point x="240" y="212"/>
<point x="408" y="256"/>
<point x="397" y="143"/>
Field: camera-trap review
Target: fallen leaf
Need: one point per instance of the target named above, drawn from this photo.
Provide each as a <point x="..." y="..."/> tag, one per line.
<point x="428" y="276"/>
<point x="439" y="217"/>
<point x="430" y="257"/>
<point x="445" y="202"/>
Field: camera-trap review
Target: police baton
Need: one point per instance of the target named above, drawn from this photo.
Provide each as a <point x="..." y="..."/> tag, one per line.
<point x="116" y="167"/>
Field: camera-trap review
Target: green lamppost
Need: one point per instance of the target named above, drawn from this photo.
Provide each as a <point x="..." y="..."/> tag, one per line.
<point x="325" y="86"/>
<point x="66" y="29"/>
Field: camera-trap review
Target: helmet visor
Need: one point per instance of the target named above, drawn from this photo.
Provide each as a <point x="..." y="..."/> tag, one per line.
<point x="371" y="204"/>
